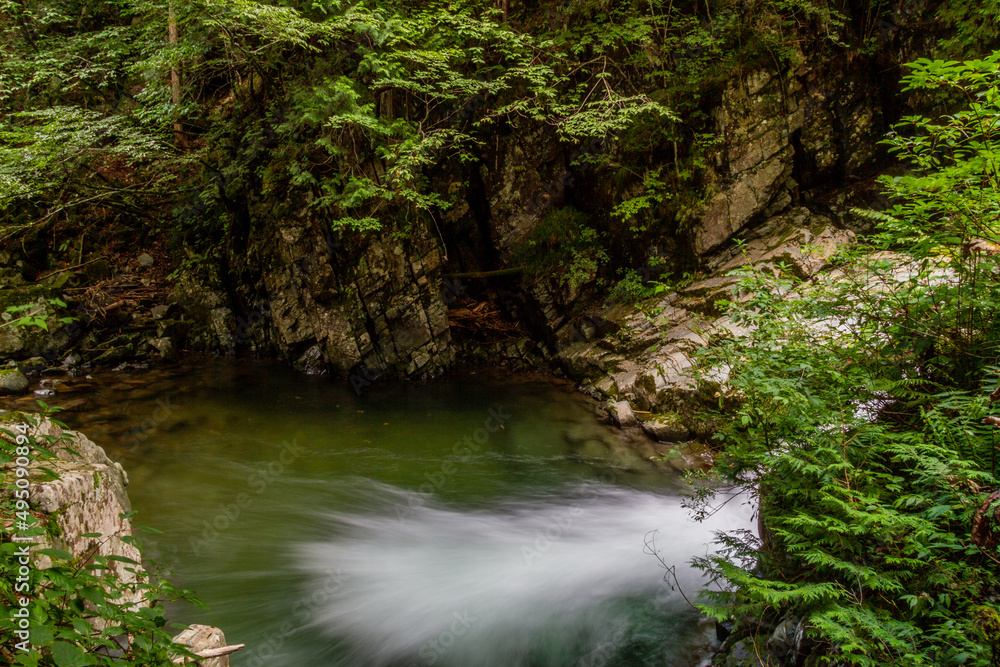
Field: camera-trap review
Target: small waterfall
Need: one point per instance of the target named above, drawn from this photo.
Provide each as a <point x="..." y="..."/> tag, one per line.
<point x="560" y="579"/>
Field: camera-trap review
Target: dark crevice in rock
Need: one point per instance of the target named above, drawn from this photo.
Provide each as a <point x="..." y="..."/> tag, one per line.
<point x="479" y="207"/>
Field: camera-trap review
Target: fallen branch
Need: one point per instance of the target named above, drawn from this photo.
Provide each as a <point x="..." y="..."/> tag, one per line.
<point x="210" y="653"/>
<point x="68" y="268"/>
<point x="487" y="274"/>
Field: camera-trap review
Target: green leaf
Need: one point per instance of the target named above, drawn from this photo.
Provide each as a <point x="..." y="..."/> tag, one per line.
<point x="68" y="655"/>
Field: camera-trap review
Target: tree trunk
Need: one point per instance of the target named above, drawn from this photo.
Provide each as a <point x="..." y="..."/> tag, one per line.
<point x="175" y="77"/>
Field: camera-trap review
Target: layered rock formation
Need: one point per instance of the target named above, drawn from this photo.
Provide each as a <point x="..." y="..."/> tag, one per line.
<point x="646" y="354"/>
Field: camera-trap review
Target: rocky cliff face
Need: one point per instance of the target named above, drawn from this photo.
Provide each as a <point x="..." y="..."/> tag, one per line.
<point x="785" y="140"/>
<point x="791" y="143"/>
<point x="381" y="311"/>
<point x="372" y="311"/>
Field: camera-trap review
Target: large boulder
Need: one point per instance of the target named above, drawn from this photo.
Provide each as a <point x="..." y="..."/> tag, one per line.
<point x="87" y="498"/>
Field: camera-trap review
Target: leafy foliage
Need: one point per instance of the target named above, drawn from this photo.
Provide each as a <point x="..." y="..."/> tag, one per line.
<point x="366" y="112"/>
<point x="34" y="314"/>
<point x="861" y="398"/>
<point x="562" y="245"/>
<point x="74" y="597"/>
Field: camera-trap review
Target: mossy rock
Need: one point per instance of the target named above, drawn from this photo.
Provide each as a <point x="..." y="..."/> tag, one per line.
<point x="32" y="366"/>
<point x="16" y="417"/>
<point x="12" y="381"/>
<point x="665" y="427"/>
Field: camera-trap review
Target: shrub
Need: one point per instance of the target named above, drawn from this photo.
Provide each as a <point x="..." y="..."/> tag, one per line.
<point x="862" y="397"/>
<point x="73" y="596"/>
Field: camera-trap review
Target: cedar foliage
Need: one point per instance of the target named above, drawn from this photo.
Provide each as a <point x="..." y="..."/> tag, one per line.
<point x="860" y="428"/>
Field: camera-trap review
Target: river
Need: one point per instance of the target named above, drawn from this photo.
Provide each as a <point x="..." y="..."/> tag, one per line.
<point x="479" y="519"/>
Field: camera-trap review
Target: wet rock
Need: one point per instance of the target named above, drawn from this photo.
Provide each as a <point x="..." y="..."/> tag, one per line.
<point x="621" y="413"/>
<point x="12" y="381"/>
<point x="666" y="427"/>
<point x="740" y="655"/>
<point x="33" y="366"/>
<point x="164" y="347"/>
<point x="201" y="637"/>
<point x="145" y="260"/>
<point x="311" y="361"/>
<point x="784" y="643"/>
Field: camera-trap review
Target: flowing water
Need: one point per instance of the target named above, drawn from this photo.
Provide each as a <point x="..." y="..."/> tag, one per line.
<point x="473" y="520"/>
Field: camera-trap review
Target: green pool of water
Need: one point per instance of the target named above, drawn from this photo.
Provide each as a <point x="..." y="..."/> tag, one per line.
<point x="477" y="519"/>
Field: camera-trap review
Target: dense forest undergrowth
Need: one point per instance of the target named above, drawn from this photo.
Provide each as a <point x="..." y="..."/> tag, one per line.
<point x="367" y="187"/>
